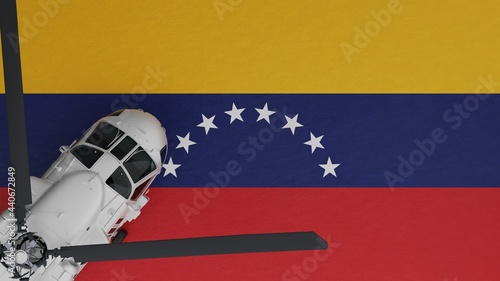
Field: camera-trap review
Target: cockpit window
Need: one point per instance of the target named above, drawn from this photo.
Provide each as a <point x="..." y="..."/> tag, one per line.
<point x="163" y="154"/>
<point x="141" y="189"/>
<point x="124" y="147"/>
<point x="87" y="155"/>
<point x="120" y="182"/>
<point x="139" y="165"/>
<point x="104" y="135"/>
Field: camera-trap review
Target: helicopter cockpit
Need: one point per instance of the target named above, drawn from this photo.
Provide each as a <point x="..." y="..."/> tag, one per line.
<point x="135" y="167"/>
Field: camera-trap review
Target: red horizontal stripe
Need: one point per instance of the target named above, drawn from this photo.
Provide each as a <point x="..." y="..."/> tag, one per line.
<point x="410" y="234"/>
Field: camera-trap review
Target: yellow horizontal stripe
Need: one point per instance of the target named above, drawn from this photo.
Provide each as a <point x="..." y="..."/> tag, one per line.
<point x="121" y="46"/>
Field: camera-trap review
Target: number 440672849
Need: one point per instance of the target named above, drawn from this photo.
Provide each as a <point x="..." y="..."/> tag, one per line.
<point x="11" y="185"/>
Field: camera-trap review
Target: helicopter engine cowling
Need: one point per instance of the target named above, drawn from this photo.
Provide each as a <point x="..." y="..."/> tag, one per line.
<point x="68" y="209"/>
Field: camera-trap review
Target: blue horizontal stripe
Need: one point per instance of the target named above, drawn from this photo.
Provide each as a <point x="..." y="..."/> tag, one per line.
<point x="378" y="140"/>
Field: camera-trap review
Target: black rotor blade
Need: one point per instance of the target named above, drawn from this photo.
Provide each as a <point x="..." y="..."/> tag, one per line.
<point x="250" y="243"/>
<point x="15" y="107"/>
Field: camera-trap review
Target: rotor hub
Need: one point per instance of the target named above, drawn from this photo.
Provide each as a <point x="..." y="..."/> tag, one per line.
<point x="21" y="257"/>
<point x="24" y="254"/>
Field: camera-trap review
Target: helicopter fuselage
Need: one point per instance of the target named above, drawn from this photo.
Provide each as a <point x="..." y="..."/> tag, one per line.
<point x="96" y="185"/>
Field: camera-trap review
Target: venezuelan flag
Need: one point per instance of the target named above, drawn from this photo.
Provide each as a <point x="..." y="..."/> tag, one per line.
<point x="273" y="126"/>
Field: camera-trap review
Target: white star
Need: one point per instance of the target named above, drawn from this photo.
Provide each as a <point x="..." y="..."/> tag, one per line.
<point x="170" y="168"/>
<point x="329" y="168"/>
<point x="264" y="113"/>
<point x="315" y="142"/>
<point x="291" y="123"/>
<point x="235" y="113"/>
<point x="185" y="142"/>
<point x="208" y="123"/>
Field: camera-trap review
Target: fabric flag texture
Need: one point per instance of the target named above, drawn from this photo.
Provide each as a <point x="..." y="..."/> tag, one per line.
<point x="403" y="187"/>
<point x="293" y="140"/>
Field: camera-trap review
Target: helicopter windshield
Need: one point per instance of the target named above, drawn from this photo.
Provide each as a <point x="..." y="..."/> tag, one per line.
<point x="163" y="154"/>
<point x="87" y="155"/>
<point x="124" y="147"/>
<point x="104" y="135"/>
<point x="120" y="182"/>
<point x="139" y="165"/>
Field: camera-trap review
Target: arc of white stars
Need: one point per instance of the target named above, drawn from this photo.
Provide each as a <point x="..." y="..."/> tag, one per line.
<point x="329" y="168"/>
<point x="264" y="113"/>
<point x="207" y="124"/>
<point x="292" y="123"/>
<point x="185" y="142"/>
<point x="315" y="142"/>
<point x="170" y="168"/>
<point x="235" y="113"/>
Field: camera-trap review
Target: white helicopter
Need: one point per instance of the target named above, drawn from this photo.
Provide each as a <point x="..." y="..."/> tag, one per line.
<point x="96" y="185"/>
<point x="74" y="213"/>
